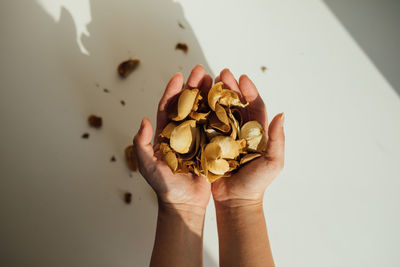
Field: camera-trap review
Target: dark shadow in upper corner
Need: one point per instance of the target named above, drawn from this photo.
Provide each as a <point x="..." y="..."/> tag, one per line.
<point x="375" y="27"/>
<point x="45" y="49"/>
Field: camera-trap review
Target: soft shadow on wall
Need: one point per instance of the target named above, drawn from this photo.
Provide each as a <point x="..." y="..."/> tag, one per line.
<point x="375" y="27"/>
<point x="74" y="216"/>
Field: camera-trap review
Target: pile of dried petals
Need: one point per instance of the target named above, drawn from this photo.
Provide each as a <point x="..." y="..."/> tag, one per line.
<point x="207" y="136"/>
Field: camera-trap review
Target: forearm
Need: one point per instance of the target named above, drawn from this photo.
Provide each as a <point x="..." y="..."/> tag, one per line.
<point x="179" y="236"/>
<point x="243" y="237"/>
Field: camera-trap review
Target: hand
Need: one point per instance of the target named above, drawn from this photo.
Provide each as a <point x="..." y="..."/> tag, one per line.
<point x="247" y="186"/>
<point x="182" y="191"/>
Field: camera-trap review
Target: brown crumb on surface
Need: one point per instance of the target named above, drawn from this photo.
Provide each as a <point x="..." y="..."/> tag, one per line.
<point x="182" y="46"/>
<point x="122" y="102"/>
<point x="130" y="175"/>
<point x="128" y="197"/>
<point x="113" y="159"/>
<point x="95" y="121"/>
<point x="97" y="85"/>
<point x="85" y="135"/>
<point x="263" y="68"/>
<point x="105" y="90"/>
<point x="125" y="68"/>
<point x="181" y="25"/>
<point x="130" y="157"/>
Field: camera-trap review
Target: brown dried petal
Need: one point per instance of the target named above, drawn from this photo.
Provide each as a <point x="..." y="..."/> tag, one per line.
<point x="126" y="67"/>
<point x="130" y="157"/>
<point x="95" y="121"/>
<point x="215" y="123"/>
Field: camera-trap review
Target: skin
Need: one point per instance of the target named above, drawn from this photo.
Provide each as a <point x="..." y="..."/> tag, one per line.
<point x="182" y="198"/>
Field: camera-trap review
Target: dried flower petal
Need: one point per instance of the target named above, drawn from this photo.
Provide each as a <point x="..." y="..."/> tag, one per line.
<point x="186" y="102"/>
<point x="248" y="157"/>
<point x="183" y="137"/>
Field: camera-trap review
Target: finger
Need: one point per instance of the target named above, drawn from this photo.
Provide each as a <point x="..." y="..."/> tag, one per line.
<point x="276" y="142"/>
<point x="217" y="79"/>
<point x="195" y="77"/>
<point x="206" y="84"/>
<point x="229" y="80"/>
<point x="173" y="88"/>
<point x="142" y="145"/>
<point x="256" y="107"/>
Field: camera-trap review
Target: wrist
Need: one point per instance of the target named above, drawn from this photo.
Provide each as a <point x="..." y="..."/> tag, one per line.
<point x="238" y="203"/>
<point x="189" y="215"/>
<point x="181" y="209"/>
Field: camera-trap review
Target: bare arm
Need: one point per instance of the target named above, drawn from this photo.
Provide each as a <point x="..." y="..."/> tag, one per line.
<point x="179" y="236"/>
<point x="242" y="233"/>
<point x="183" y="198"/>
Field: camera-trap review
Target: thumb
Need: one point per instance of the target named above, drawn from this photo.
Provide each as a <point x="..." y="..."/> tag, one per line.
<point x="142" y="145"/>
<point x="276" y="142"/>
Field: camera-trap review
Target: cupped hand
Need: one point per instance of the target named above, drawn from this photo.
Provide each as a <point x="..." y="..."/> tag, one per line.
<point x="247" y="186"/>
<point x="179" y="190"/>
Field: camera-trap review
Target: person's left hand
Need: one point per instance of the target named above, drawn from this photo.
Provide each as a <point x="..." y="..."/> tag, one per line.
<point x="179" y="190"/>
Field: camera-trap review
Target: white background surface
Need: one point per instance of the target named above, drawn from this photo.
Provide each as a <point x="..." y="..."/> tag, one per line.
<point x="336" y="203"/>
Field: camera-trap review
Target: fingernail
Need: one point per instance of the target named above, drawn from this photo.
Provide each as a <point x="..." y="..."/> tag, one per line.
<point x="283" y="118"/>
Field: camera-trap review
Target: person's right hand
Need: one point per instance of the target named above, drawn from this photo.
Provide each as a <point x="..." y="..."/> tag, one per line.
<point x="247" y="186"/>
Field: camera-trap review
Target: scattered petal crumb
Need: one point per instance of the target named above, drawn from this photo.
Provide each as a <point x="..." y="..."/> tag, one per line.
<point x="113" y="159"/>
<point x="128" y="198"/>
<point x="181" y="25"/>
<point x="85" y="135"/>
<point x="182" y="46"/>
<point x="263" y="68"/>
<point x="122" y="102"/>
<point x="95" y="121"/>
<point x="130" y="157"/>
<point x="125" y="68"/>
<point x="105" y="90"/>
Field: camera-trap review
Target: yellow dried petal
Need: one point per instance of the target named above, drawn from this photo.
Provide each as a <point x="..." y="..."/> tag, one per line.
<point x="210" y="132"/>
<point x="214" y="94"/>
<point x="192" y="153"/>
<point x="183" y="137"/>
<point x="255" y="136"/>
<point x="248" y="157"/>
<point x="233" y="164"/>
<point x="171" y="160"/>
<point x="186" y="101"/>
<point x="218" y="166"/>
<point x="166" y="132"/>
<point x="213" y="177"/>
<point x="198" y="116"/>
<point x="230" y="149"/>
<point x="221" y="114"/>
<point x="231" y="98"/>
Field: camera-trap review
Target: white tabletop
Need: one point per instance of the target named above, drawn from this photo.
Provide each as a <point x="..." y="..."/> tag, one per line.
<point x="336" y="203"/>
